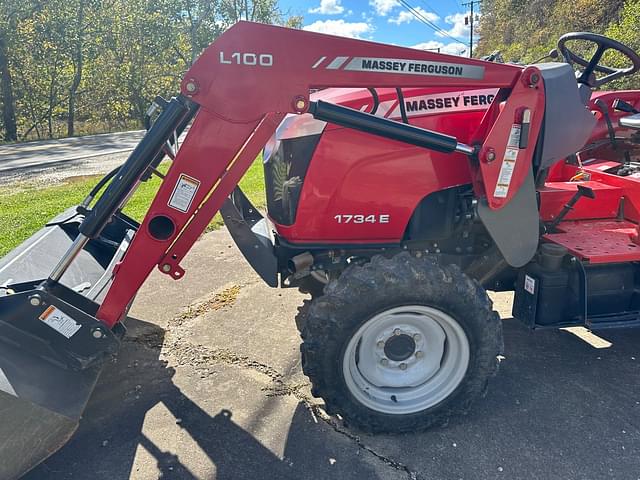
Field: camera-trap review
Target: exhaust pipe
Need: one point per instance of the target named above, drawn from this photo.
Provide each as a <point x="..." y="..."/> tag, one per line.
<point x="301" y="262"/>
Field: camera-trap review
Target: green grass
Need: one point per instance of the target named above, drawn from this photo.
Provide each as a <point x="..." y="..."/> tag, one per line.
<point x="25" y="208"/>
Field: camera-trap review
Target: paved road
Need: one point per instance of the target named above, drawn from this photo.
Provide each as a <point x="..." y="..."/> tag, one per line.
<point x="24" y="156"/>
<point x="208" y="386"/>
<point x="52" y="161"/>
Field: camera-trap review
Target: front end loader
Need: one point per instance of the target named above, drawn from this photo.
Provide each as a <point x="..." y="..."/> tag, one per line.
<point x="401" y="184"/>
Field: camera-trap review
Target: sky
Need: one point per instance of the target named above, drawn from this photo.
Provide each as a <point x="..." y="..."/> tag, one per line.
<point x="389" y="21"/>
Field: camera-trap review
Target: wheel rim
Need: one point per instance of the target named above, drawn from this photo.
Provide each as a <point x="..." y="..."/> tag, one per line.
<point x="406" y="359"/>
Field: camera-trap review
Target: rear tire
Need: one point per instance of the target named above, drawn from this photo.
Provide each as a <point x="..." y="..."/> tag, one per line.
<point x="400" y="345"/>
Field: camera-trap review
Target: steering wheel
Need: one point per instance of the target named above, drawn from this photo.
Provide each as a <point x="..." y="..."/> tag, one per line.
<point x="593" y="65"/>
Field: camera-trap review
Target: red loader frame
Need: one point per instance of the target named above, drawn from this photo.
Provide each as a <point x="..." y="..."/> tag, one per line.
<point x="250" y="78"/>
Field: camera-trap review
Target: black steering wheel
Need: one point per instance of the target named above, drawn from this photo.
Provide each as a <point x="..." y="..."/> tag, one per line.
<point x="591" y="66"/>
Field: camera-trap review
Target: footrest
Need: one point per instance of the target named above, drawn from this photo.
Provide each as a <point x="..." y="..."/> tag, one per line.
<point x="598" y="241"/>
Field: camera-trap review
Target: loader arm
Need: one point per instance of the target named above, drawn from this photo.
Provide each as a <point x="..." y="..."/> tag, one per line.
<point x="253" y="75"/>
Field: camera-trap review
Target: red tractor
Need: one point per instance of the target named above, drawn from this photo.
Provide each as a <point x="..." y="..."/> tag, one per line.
<point x="402" y="189"/>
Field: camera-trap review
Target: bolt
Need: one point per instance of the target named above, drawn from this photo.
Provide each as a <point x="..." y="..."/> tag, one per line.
<point x="384" y="362"/>
<point x="35" y="300"/>
<point x="534" y="79"/>
<point x="403" y="366"/>
<point x="491" y="156"/>
<point x="397" y="331"/>
<point x="380" y="344"/>
<point x="166" y="268"/>
<point x="419" y="354"/>
<point x="97" y="333"/>
<point x="417" y="337"/>
<point x="191" y="87"/>
<point x="418" y="254"/>
<point x="300" y="104"/>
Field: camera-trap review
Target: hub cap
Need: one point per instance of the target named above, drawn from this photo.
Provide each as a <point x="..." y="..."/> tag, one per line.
<point x="406" y="359"/>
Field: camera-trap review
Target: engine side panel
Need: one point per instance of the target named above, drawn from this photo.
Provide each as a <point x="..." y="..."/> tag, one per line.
<point x="363" y="189"/>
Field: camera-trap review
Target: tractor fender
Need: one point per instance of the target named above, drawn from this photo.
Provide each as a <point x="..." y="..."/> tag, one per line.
<point x="515" y="227"/>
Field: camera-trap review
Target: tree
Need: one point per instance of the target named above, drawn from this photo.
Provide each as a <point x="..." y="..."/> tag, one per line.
<point x="69" y="67"/>
<point x="13" y="12"/>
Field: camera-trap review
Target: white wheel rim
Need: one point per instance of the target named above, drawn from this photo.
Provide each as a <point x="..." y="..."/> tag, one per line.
<point x="400" y="386"/>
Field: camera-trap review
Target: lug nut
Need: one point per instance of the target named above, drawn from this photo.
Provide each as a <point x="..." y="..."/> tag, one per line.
<point x="397" y="331"/>
<point x="35" y="300"/>
<point x="380" y="344"/>
<point x="384" y="362"/>
<point x="419" y="354"/>
<point x="403" y="366"/>
<point x="417" y="337"/>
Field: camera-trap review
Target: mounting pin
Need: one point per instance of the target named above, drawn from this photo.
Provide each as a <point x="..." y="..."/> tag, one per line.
<point x="35" y="300"/>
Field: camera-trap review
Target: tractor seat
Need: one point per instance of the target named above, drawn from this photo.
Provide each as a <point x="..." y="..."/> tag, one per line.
<point x="567" y="122"/>
<point x="631" y="121"/>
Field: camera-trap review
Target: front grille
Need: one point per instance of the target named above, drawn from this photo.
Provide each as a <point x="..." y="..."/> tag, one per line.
<point x="284" y="172"/>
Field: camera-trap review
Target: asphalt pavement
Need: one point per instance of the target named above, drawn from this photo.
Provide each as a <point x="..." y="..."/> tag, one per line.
<point x="53" y="153"/>
<point x="208" y="385"/>
<point x="50" y="161"/>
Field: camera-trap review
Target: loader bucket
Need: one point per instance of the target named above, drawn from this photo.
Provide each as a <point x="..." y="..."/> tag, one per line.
<point x="51" y="349"/>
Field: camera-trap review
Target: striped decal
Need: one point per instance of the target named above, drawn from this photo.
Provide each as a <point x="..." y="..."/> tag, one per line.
<point x="336" y="63"/>
<point x="320" y="60"/>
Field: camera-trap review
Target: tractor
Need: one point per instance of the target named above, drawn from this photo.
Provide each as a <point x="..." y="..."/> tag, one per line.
<point x="401" y="186"/>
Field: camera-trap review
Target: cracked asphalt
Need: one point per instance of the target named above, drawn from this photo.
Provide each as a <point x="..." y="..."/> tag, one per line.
<point x="208" y="385"/>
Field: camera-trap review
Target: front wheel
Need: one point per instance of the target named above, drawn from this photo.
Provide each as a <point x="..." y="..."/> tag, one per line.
<point x="400" y="344"/>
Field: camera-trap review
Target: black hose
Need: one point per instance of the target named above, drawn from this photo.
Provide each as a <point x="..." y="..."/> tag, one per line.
<point x="403" y="111"/>
<point x="376" y="101"/>
<point x="104" y="181"/>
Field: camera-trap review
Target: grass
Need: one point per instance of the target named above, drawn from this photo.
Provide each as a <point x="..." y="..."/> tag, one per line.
<point x="25" y="208"/>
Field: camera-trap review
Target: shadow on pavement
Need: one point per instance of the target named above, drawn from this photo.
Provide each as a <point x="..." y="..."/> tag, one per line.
<point x="136" y="383"/>
<point x="559" y="408"/>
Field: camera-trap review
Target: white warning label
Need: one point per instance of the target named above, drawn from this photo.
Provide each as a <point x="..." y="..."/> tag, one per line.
<point x="529" y="284"/>
<point x="183" y="193"/>
<point x="514" y="136"/>
<point x="506" y="172"/>
<point x="60" y="321"/>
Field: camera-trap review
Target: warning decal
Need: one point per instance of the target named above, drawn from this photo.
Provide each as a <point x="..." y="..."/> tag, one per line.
<point x="183" y="193"/>
<point x="60" y="321"/>
<point x="508" y="162"/>
<point x="529" y="284"/>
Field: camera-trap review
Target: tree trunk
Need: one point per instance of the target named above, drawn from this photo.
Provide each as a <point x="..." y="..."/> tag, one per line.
<point x="8" y="100"/>
<point x="78" y="60"/>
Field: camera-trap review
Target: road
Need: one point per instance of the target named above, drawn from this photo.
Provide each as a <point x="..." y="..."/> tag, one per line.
<point x="208" y="386"/>
<point x="24" y="156"/>
<point x="51" y="161"/>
